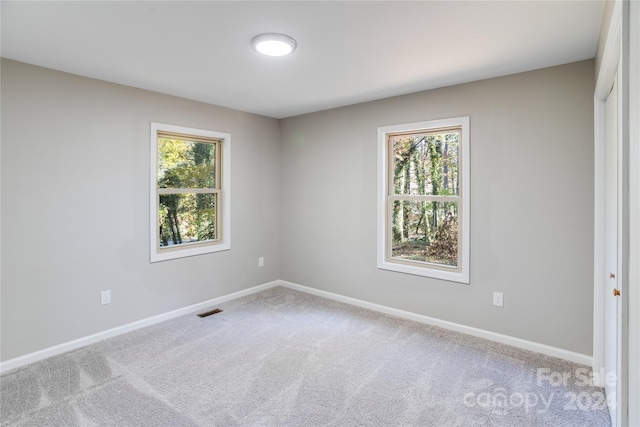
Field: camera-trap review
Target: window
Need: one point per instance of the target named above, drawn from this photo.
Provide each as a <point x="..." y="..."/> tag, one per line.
<point x="423" y="199"/>
<point x="190" y="191"/>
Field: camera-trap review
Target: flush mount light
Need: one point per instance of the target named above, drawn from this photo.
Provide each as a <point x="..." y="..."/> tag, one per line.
<point x="274" y="44"/>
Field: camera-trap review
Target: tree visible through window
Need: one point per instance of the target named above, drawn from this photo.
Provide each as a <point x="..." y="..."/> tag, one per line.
<point x="425" y="228"/>
<point x="189" y="187"/>
<point x="423" y="187"/>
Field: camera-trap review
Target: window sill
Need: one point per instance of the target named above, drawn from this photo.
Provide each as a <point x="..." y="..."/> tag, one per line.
<point x="452" y="276"/>
<point x="165" y="255"/>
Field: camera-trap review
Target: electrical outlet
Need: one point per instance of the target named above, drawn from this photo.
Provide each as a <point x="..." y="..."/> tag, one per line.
<point x="498" y="299"/>
<point x="261" y="261"/>
<point x="105" y="297"/>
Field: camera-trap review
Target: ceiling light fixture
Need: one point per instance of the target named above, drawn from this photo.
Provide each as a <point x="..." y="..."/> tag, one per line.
<point x="274" y="44"/>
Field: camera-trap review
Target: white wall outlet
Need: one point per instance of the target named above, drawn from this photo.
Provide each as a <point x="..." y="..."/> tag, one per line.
<point x="498" y="299"/>
<point x="105" y="297"/>
<point x="261" y="261"/>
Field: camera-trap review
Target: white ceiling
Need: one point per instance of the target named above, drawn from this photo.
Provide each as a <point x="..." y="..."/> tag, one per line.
<point x="348" y="52"/>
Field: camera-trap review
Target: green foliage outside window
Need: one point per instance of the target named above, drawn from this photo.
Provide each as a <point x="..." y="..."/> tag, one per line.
<point x="425" y="165"/>
<point x="187" y="217"/>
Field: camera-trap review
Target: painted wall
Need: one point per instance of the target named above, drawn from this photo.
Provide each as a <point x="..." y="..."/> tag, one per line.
<point x="531" y="204"/>
<point x="75" y="207"/>
<point x="75" y="166"/>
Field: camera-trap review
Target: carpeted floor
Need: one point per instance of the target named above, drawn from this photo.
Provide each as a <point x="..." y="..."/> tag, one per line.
<point x="285" y="358"/>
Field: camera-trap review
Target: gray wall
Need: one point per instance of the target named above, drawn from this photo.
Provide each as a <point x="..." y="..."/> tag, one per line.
<point x="75" y="207"/>
<point x="531" y="205"/>
<point x="75" y="167"/>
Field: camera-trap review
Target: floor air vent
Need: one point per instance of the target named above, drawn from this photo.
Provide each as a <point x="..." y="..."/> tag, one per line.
<point x="210" y="312"/>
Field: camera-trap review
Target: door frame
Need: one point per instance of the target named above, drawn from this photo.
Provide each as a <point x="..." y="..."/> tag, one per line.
<point x="622" y="42"/>
<point x="611" y="64"/>
<point x="633" y="301"/>
<point x="612" y="261"/>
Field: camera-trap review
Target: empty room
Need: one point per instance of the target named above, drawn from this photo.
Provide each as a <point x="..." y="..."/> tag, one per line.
<point x="320" y="213"/>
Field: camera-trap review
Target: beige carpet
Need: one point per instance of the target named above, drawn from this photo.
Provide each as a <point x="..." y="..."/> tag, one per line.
<point x="285" y="358"/>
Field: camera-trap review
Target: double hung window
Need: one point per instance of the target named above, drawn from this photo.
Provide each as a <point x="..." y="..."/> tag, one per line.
<point x="423" y="199"/>
<point x="189" y="191"/>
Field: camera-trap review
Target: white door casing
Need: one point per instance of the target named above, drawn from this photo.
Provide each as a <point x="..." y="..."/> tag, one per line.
<point x="610" y="68"/>
<point x="612" y="253"/>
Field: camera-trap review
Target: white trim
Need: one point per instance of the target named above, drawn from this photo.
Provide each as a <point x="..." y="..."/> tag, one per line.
<point x="633" y="397"/>
<point x="224" y="243"/>
<point x="462" y="275"/>
<point x="476" y="332"/>
<point x="599" y="241"/>
<point x="611" y="53"/>
<point x="91" y="339"/>
<point x="605" y="77"/>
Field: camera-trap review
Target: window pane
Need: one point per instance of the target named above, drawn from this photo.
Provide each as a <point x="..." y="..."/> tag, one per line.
<point x="425" y="231"/>
<point x="187" y="218"/>
<point x="426" y="164"/>
<point x="186" y="164"/>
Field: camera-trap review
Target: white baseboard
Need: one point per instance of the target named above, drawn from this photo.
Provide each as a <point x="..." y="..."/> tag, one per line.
<point x="492" y="336"/>
<point x="91" y="339"/>
<point x="481" y="333"/>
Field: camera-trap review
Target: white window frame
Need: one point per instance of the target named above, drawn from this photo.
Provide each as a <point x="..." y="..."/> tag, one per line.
<point x="223" y="242"/>
<point x="461" y="272"/>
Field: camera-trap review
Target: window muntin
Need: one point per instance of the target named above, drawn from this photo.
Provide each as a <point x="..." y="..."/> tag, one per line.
<point x="423" y="199"/>
<point x="190" y="191"/>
